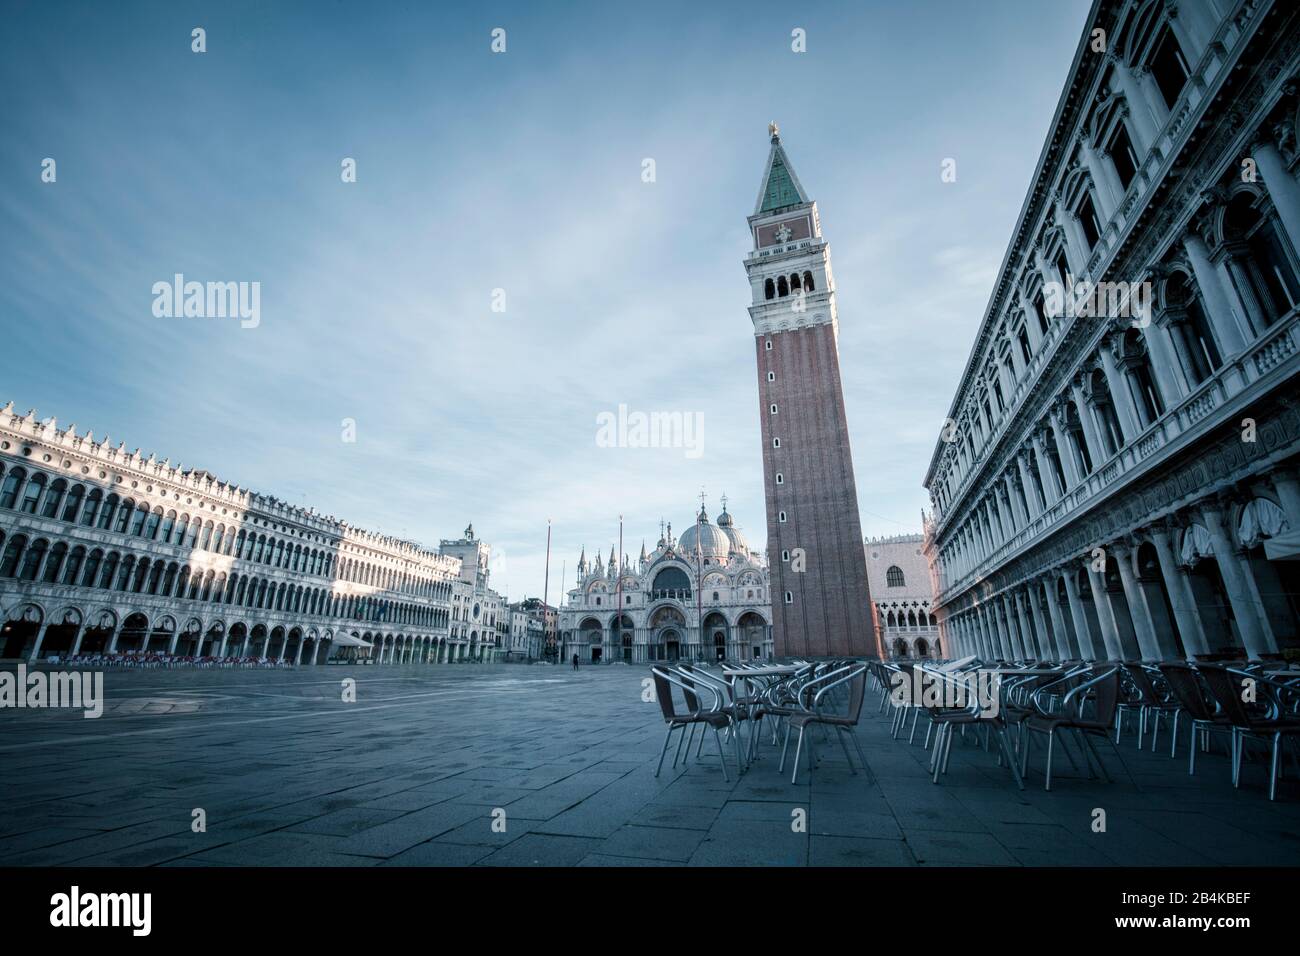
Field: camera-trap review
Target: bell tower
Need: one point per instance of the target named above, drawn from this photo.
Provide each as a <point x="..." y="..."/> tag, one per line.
<point x="820" y="596"/>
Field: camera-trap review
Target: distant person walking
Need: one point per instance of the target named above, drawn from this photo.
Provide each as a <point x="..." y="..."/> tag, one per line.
<point x="575" y="662"/>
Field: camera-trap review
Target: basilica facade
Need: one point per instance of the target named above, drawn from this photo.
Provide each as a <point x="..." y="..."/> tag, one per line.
<point x="109" y="551"/>
<point x="701" y="597"/>
<point x="1121" y="482"/>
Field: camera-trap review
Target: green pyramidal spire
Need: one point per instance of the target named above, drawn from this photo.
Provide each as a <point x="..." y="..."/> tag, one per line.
<point x="780" y="186"/>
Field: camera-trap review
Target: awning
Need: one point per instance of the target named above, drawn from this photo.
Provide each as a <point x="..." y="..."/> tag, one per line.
<point x="1284" y="547"/>
<point x="347" y="640"/>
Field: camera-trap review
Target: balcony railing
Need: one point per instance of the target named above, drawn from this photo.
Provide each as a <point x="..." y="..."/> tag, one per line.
<point x="1258" y="362"/>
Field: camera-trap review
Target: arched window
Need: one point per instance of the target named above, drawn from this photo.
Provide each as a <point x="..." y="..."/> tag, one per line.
<point x="138" y="519"/>
<point x="89" y="577"/>
<point x="12" y="554"/>
<point x="782" y="287"/>
<point x="109" y="570"/>
<point x="794" y="282"/>
<point x="769" y="289"/>
<point x="50" y="507"/>
<point x="72" y="571"/>
<point x="1135" y="360"/>
<point x="165" y="535"/>
<point x="808" y="282"/>
<point x="52" y="567"/>
<point x="894" y="577"/>
<point x="1265" y="263"/>
<point x="107" y="512"/>
<point x="1197" y="349"/>
<point x="9" y="491"/>
<point x="32" y="560"/>
<point x="74" y="503"/>
<point x="32" y="493"/>
<point x="151" y="526"/>
<point x="91" y="512"/>
<point x="124" y="516"/>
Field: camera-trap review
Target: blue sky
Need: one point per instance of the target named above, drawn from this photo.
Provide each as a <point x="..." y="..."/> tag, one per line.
<point x="518" y="171"/>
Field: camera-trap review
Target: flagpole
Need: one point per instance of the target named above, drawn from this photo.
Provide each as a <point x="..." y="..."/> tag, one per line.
<point x="546" y="589"/>
<point x="618" y="592"/>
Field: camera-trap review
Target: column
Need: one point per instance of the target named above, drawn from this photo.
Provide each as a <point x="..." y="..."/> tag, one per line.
<point x="176" y="636"/>
<point x="1179" y="589"/>
<point x="1063" y="449"/>
<point x="1144" y="125"/>
<point x="1120" y="395"/>
<point x="1013" y="634"/>
<point x="1095" y="449"/>
<point x="221" y="649"/>
<point x="1282" y="188"/>
<point x="1087" y="644"/>
<point x="1165" y="365"/>
<point x="1032" y="648"/>
<point x="1058" y="622"/>
<point x="1045" y="470"/>
<point x="36" y="648"/>
<point x="1143" y="627"/>
<point x="1243" y="608"/>
<point x="297" y="657"/>
<point x="1045" y="636"/>
<point x="1218" y="306"/>
<point x="1004" y="509"/>
<point x="1105" y="614"/>
<point x="1027" y="483"/>
<point x="1016" y="501"/>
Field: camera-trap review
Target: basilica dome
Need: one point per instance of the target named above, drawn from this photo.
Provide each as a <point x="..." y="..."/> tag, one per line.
<point x="714" y="542"/>
<point x="739" y="545"/>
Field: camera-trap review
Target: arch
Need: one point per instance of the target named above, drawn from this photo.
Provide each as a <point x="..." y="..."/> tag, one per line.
<point x="894" y="577"/>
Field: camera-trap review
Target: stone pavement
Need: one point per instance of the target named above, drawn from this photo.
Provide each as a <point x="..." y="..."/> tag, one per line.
<point x="412" y="772"/>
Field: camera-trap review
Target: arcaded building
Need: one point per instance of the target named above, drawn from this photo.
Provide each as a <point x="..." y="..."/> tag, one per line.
<point x="702" y="597"/>
<point x="1118" y="475"/>
<point x="105" y="550"/>
<point x="902" y="596"/>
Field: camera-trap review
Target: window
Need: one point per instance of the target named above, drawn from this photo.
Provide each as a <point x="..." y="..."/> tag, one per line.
<point x="776" y="443"/>
<point x="1088" y="220"/>
<point x="771" y="376"/>
<point x="789" y="597"/>
<point x="768" y="345"/>
<point x="1040" y="310"/>
<point x="32" y="493"/>
<point x="997" y="394"/>
<point x="769" y="292"/>
<point x="1123" y="156"/>
<point x="780" y="478"/>
<point x="92" y="508"/>
<point x="894" y="577"/>
<point x="785" y="555"/>
<point x="9" y="492"/>
<point x="74" y="503"/>
<point x="774" y="408"/>
<point x="1169" y="68"/>
<point x="1026" y="352"/>
<point x="50" y="508"/>
<point x="780" y="516"/>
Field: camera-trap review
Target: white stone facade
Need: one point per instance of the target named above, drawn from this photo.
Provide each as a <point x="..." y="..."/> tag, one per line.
<point x="902" y="596"/>
<point x="703" y="597"/>
<point x="106" y="550"/>
<point x="1121" y="487"/>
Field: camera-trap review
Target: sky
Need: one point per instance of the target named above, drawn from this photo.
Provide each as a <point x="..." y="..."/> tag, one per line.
<point x="501" y="273"/>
